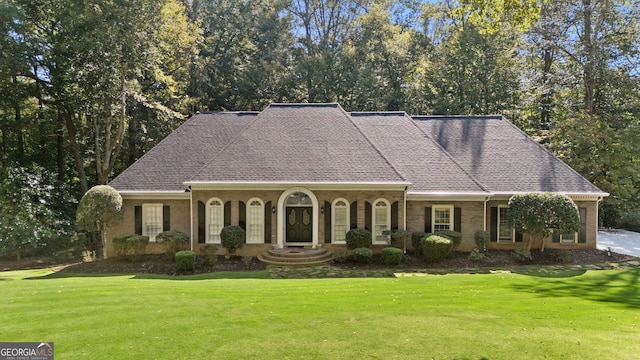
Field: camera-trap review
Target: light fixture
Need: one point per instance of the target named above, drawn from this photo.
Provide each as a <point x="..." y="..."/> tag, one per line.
<point x="273" y="209"/>
<point x="322" y="210"/>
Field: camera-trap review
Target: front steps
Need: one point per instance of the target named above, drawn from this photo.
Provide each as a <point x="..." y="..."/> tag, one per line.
<point x="295" y="256"/>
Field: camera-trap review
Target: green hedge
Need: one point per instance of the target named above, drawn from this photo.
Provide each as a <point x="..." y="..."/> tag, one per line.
<point x="454" y="236"/>
<point x="232" y="238"/>
<point x="173" y="241"/>
<point x="436" y="248"/>
<point x="121" y="244"/>
<point x="358" y="238"/>
<point x="362" y="255"/>
<point x="416" y="241"/>
<point x="392" y="255"/>
<point x="208" y="254"/>
<point x="185" y="260"/>
<point x="138" y="244"/>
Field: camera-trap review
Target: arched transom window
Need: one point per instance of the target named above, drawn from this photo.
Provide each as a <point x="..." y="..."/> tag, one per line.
<point x="215" y="220"/>
<point x="255" y="221"/>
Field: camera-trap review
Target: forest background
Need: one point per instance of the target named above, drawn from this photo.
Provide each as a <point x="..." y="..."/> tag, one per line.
<point x="87" y="87"/>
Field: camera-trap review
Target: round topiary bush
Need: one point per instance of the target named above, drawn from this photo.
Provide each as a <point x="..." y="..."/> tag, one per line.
<point x="391" y="255"/>
<point x="362" y="255"/>
<point x="208" y="254"/>
<point x="121" y="244"/>
<point x="185" y="260"/>
<point x="358" y="238"/>
<point x="454" y="236"/>
<point x="436" y="248"/>
<point x="173" y="241"/>
<point x="232" y="238"/>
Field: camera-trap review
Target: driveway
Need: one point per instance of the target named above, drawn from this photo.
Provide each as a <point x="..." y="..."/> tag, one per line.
<point x="620" y="241"/>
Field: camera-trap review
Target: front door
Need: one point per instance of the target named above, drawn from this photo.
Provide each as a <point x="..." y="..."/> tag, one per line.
<point x="299" y="224"/>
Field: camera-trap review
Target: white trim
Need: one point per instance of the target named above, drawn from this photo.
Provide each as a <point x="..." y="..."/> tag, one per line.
<point x="333" y="220"/>
<point x="248" y="221"/>
<point x="281" y="231"/>
<point x="387" y="226"/>
<point x="415" y="196"/>
<point x="433" y="216"/>
<point x="311" y="186"/>
<point x="152" y="195"/>
<point x="207" y="225"/>
<point x="574" y="196"/>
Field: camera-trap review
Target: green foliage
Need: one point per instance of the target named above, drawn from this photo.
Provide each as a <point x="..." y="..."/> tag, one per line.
<point x="358" y="238"/>
<point x="436" y="248"/>
<point x="208" y="254"/>
<point x="542" y="213"/>
<point x="392" y="256"/>
<point x="362" y="255"/>
<point x="232" y="238"/>
<point x="173" y="241"/>
<point x="455" y="236"/>
<point x="416" y="241"/>
<point x="138" y="245"/>
<point x="476" y="255"/>
<point x="35" y="214"/>
<point x="522" y="255"/>
<point x="340" y="255"/>
<point x="481" y="238"/>
<point x="185" y="260"/>
<point x="121" y="244"/>
<point x="99" y="208"/>
<point x="398" y="237"/>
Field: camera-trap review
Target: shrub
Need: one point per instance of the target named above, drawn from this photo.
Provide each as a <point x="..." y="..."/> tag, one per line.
<point x="173" y="241"/>
<point x="522" y="255"/>
<point x="185" y="260"/>
<point x="481" y="238"/>
<point x="340" y="255"/>
<point x="436" y="248"/>
<point x="416" y="241"/>
<point x="208" y="253"/>
<point x="232" y="238"/>
<point x="362" y="255"/>
<point x="391" y="256"/>
<point x="138" y="244"/>
<point x="358" y="238"/>
<point x="454" y="236"/>
<point x="121" y="244"/>
<point x="476" y="255"/>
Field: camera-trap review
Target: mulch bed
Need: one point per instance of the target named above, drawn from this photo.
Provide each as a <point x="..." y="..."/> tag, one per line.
<point x="159" y="264"/>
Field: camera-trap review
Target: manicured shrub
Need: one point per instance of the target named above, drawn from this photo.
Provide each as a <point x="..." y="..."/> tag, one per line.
<point x="232" y="238"/>
<point x="138" y="245"/>
<point x="185" y="260"/>
<point x="436" y="248"/>
<point x="208" y="254"/>
<point x="362" y="255"/>
<point x="481" y="238"/>
<point x="476" y="255"/>
<point x="391" y="256"/>
<point x="454" y="236"/>
<point x="416" y="241"/>
<point x="340" y="255"/>
<point x="173" y="241"/>
<point x="358" y="238"/>
<point x="522" y="255"/>
<point x="121" y="244"/>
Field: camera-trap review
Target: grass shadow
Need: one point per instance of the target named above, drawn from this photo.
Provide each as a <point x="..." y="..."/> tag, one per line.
<point x="618" y="286"/>
<point x="206" y="276"/>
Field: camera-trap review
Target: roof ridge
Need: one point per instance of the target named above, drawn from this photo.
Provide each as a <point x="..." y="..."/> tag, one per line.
<point x="333" y="104"/>
<point x="375" y="147"/>
<point x="437" y="144"/>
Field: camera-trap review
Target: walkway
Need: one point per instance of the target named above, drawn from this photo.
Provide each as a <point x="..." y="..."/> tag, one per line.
<point x="620" y="241"/>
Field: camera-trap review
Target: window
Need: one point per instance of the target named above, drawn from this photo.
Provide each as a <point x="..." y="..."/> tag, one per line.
<point x="442" y="218"/>
<point x="505" y="232"/>
<point x="340" y="218"/>
<point x="568" y="238"/>
<point x="255" y="221"/>
<point x="151" y="220"/>
<point x="381" y="220"/>
<point x="215" y="220"/>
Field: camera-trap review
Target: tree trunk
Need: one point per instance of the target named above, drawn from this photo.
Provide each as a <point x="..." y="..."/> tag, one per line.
<point x="588" y="72"/>
<point x="75" y="150"/>
<point x="60" y="146"/>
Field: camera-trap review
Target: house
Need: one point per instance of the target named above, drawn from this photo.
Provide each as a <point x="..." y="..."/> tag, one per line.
<point x="304" y="174"/>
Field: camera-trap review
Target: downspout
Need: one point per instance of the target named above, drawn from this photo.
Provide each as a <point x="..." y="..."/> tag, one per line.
<point x="191" y="215"/>
<point x="484" y="223"/>
<point x="404" y="245"/>
<point x="600" y="198"/>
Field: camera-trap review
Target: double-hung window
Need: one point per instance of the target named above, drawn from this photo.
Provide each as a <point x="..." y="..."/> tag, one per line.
<point x="505" y="232"/>
<point x="442" y="218"/>
<point x="255" y="221"/>
<point x="152" y="220"/>
<point x="215" y="220"/>
<point x="381" y="220"/>
<point x="340" y="218"/>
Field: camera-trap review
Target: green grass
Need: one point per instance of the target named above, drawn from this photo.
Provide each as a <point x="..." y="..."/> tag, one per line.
<point x="595" y="315"/>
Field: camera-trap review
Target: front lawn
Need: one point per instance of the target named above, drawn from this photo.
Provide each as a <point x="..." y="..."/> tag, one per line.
<point x="595" y="315"/>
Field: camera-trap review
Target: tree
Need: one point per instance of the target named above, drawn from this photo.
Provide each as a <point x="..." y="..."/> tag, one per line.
<point x="541" y="214"/>
<point x="99" y="208"/>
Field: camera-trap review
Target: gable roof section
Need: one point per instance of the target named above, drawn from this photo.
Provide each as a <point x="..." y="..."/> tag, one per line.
<point x="300" y="143"/>
<point x="183" y="153"/>
<point x="421" y="160"/>
<point x="502" y="157"/>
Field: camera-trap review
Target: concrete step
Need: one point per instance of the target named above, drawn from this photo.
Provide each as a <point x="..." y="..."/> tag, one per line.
<point x="295" y="256"/>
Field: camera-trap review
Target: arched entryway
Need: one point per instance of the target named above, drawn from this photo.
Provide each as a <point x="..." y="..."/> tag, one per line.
<point x="297" y="218"/>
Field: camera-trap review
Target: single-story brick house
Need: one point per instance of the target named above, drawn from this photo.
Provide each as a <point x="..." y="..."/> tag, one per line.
<point x="304" y="174"/>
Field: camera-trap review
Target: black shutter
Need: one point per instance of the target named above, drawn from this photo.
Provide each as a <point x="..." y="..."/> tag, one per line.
<point x="353" y="215"/>
<point x="427" y="220"/>
<point x="201" y="222"/>
<point x="457" y="219"/>
<point x="367" y="215"/>
<point x="166" y="218"/>
<point x="327" y="222"/>
<point x="267" y="222"/>
<point x="493" y="224"/>
<point x="518" y="236"/>
<point x="138" y="220"/>
<point x="394" y="216"/>
<point x="242" y="215"/>
<point x="556" y="236"/>
<point x="582" y="234"/>
<point x="227" y="213"/>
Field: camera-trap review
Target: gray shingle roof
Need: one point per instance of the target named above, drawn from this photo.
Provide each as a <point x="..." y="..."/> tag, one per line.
<point x="321" y="143"/>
